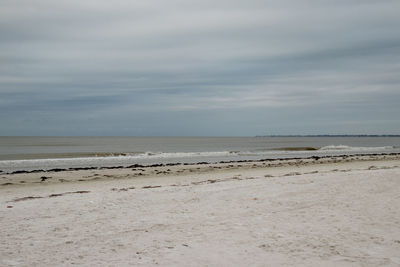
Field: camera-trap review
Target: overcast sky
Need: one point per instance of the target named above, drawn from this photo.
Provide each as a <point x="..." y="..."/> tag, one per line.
<point x="220" y="67"/>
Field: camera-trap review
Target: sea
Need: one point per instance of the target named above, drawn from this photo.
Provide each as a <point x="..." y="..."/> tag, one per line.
<point x="44" y="153"/>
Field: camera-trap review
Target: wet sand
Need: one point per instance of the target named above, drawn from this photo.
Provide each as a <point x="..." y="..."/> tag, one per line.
<point x="333" y="211"/>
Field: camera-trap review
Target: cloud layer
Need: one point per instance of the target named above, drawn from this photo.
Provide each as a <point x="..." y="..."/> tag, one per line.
<point x="199" y="67"/>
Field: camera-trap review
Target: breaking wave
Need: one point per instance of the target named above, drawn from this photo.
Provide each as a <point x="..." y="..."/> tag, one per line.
<point x="352" y="148"/>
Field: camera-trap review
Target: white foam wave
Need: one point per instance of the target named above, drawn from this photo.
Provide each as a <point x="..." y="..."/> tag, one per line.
<point x="163" y="155"/>
<point x="352" y="148"/>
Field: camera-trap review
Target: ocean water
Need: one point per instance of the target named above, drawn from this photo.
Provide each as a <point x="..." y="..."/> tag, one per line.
<point x="32" y="153"/>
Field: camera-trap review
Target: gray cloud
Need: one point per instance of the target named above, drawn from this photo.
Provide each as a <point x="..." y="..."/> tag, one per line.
<point x="200" y="68"/>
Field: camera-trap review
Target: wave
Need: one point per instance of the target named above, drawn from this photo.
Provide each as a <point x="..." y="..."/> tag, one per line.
<point x="128" y="156"/>
<point x="307" y="148"/>
<point x="353" y="148"/>
<point x="324" y="149"/>
<point x="119" y="160"/>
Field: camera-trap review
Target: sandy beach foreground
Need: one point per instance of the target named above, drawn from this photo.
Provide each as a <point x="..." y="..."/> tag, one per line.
<point x="337" y="211"/>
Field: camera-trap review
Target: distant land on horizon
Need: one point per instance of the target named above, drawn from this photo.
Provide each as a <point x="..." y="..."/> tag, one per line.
<point x="205" y="136"/>
<point x="331" y="135"/>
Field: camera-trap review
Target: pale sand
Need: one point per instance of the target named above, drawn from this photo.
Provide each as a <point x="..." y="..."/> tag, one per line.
<point x="326" y="212"/>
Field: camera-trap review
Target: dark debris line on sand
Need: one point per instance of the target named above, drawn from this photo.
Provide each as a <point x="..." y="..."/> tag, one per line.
<point x="49" y="196"/>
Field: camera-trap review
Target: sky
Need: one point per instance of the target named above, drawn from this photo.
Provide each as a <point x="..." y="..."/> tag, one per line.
<point x="199" y="68"/>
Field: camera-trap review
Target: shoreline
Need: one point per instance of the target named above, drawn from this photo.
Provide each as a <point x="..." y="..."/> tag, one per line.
<point x="342" y="156"/>
<point x="87" y="174"/>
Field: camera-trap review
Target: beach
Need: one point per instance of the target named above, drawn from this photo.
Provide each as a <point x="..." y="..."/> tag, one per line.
<point x="203" y="133"/>
<point x="317" y="211"/>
